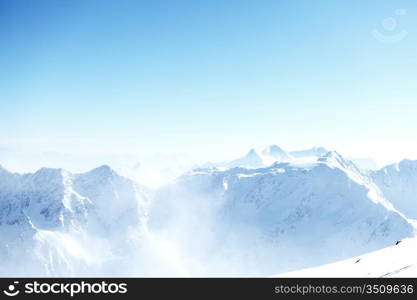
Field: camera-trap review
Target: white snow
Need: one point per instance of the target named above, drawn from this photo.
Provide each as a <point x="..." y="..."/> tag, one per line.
<point x="394" y="261"/>
<point x="268" y="212"/>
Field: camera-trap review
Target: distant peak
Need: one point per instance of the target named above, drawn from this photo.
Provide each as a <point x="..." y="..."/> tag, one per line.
<point x="251" y="159"/>
<point x="276" y="153"/>
<point x="333" y="158"/>
<point x="405" y="164"/>
<point x="48" y="171"/>
<point x="332" y="154"/>
<point x="273" y="148"/>
<point x="252" y="152"/>
<point x="3" y="170"/>
<point x="408" y="163"/>
<point x="103" y="170"/>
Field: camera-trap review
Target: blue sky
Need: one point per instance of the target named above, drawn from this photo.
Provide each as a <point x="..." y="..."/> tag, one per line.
<point x="209" y="77"/>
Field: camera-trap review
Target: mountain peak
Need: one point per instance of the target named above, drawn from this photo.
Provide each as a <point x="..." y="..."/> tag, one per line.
<point x="252" y="152"/>
<point x="408" y="164"/>
<point x="104" y="170"/>
<point x="251" y="159"/>
<point x="2" y="169"/>
<point x="334" y="158"/>
<point x="276" y="152"/>
<point x="319" y="149"/>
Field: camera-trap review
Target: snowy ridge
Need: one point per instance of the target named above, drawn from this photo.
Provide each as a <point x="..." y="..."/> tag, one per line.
<point x="397" y="183"/>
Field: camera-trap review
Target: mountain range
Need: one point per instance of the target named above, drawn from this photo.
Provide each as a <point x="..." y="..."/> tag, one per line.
<point x="48" y="218"/>
<point x="269" y="212"/>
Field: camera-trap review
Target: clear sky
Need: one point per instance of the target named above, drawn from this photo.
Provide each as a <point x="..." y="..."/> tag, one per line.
<point x="211" y="78"/>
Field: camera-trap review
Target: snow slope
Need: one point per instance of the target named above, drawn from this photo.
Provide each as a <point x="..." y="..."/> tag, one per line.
<point x="394" y="261"/>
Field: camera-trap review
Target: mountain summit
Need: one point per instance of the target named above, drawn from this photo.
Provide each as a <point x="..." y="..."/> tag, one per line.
<point x="251" y="160"/>
<point x="276" y="153"/>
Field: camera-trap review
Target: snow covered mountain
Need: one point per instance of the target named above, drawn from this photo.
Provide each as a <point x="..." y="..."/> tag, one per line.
<point x="256" y="159"/>
<point x="398" y="182"/>
<point x="270" y="155"/>
<point x="251" y="160"/>
<point x="306" y="211"/>
<point x="274" y="153"/>
<point x="48" y="219"/>
<point x="268" y="212"/>
<point x="315" y="151"/>
<point x="365" y="163"/>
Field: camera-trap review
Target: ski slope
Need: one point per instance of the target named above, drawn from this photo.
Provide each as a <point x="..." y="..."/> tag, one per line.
<point x="395" y="261"/>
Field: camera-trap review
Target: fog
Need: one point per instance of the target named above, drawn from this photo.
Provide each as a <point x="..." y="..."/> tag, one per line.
<point x="182" y="233"/>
